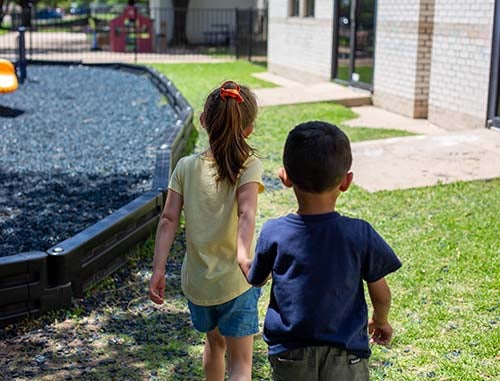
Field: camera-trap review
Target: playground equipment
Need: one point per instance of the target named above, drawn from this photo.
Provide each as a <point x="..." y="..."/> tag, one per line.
<point x="8" y="77"/>
<point x="8" y="84"/>
<point x="33" y="283"/>
<point x="131" y="32"/>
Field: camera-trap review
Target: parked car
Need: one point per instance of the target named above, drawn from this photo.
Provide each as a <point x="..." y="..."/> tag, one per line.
<point x="78" y="9"/>
<point x="49" y="13"/>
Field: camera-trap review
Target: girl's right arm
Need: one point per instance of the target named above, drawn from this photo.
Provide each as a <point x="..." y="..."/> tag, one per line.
<point x="247" y="209"/>
<point x="165" y="234"/>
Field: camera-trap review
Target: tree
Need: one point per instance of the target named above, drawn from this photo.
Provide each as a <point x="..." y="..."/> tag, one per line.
<point x="25" y="5"/>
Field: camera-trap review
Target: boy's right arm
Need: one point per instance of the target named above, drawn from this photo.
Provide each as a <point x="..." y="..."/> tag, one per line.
<point x="262" y="265"/>
<point x="378" y="326"/>
<point x="165" y="234"/>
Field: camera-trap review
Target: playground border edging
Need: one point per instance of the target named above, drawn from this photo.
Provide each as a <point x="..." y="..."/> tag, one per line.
<point x="36" y="282"/>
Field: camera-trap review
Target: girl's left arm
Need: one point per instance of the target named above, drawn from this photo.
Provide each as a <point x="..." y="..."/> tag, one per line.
<point x="247" y="210"/>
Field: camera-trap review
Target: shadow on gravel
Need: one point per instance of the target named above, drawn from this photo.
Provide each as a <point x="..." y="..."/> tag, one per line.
<point x="114" y="333"/>
<point x="38" y="210"/>
<point x="9" y="112"/>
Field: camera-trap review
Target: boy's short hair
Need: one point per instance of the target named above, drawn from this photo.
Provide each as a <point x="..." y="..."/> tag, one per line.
<point x="317" y="156"/>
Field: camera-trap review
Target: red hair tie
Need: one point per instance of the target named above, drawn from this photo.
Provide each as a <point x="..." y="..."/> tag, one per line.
<point x="231" y="93"/>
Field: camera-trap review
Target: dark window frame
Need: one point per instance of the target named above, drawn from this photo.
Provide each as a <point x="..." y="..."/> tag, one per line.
<point x="493" y="114"/>
<point x="335" y="43"/>
<point x="309" y="6"/>
<point x="294" y="8"/>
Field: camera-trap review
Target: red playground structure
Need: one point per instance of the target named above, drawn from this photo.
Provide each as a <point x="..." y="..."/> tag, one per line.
<point x="131" y="32"/>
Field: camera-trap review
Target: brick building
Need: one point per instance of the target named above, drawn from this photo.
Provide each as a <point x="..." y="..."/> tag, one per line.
<point x="434" y="59"/>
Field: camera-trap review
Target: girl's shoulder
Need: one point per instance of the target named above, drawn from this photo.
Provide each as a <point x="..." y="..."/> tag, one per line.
<point x="187" y="160"/>
<point x="252" y="161"/>
<point x="252" y="165"/>
<point x="252" y="158"/>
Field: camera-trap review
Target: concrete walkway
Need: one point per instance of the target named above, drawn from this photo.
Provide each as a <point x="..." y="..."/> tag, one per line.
<point x="434" y="156"/>
<point x="291" y="92"/>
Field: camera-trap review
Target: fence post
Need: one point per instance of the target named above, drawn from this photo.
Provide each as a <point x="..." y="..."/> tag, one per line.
<point x="22" y="54"/>
<point x="237" y="34"/>
<point x="250" y="34"/>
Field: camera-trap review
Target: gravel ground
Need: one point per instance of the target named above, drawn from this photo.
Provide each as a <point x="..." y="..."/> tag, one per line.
<point x="84" y="146"/>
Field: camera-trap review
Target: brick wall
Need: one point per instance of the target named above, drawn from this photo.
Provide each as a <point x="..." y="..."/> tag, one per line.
<point x="433" y="59"/>
<point x="300" y="48"/>
<point x="460" y="68"/>
<point x="402" y="56"/>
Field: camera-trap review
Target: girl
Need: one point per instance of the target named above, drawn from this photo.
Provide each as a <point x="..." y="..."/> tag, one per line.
<point x="218" y="190"/>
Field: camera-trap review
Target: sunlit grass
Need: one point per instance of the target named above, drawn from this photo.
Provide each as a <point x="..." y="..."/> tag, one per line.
<point x="446" y="299"/>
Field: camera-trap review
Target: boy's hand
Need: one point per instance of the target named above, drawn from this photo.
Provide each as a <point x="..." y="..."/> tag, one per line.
<point x="157" y="287"/>
<point x="381" y="333"/>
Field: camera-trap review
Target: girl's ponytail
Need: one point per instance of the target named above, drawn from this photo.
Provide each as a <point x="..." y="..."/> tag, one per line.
<point x="229" y="110"/>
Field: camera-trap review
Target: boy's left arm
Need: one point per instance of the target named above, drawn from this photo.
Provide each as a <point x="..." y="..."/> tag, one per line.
<point x="379" y="261"/>
<point x="378" y="326"/>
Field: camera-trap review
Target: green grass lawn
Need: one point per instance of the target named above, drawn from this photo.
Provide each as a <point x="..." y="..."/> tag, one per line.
<point x="365" y="73"/>
<point x="445" y="311"/>
<point x="446" y="300"/>
<point x="195" y="81"/>
<point x="274" y="122"/>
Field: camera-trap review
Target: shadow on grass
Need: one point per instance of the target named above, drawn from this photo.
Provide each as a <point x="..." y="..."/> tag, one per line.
<point x="114" y="333"/>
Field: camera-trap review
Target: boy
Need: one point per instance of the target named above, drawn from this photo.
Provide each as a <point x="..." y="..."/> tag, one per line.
<point x="316" y="325"/>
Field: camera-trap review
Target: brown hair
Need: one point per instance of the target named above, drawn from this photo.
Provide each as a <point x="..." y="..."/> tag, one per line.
<point x="317" y="155"/>
<point x="225" y="118"/>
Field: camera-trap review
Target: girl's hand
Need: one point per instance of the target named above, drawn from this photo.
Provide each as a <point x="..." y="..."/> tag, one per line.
<point x="157" y="287"/>
<point x="245" y="265"/>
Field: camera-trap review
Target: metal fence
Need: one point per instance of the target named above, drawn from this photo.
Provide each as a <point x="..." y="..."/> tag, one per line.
<point x="132" y="34"/>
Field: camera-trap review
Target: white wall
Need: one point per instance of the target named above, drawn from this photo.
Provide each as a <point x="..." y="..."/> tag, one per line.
<point x="162" y="13"/>
<point x="224" y="13"/>
<point x="300" y="48"/>
<point x="199" y="17"/>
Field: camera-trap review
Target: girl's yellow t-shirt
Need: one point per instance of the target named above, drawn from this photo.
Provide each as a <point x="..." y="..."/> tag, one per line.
<point x="210" y="271"/>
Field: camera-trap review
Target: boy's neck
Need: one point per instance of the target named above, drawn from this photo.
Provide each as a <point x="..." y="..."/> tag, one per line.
<point x="316" y="203"/>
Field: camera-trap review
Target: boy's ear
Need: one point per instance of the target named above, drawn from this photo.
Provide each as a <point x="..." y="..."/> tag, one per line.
<point x="202" y="119"/>
<point x="346" y="182"/>
<point x="284" y="178"/>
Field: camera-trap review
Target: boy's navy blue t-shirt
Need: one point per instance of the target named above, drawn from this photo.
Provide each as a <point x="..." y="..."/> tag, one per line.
<point x="318" y="264"/>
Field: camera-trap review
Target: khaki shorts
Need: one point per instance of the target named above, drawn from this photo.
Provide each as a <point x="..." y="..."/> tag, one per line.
<point x="318" y="364"/>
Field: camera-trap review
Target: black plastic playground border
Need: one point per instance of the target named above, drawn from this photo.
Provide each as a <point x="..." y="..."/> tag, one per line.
<point x="33" y="283"/>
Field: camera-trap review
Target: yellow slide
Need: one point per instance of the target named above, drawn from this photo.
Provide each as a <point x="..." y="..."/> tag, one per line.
<point x="8" y="78"/>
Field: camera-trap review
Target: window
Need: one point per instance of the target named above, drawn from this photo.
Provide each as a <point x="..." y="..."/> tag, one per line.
<point x="301" y="8"/>
<point x="294" y="9"/>
<point x="309" y="8"/>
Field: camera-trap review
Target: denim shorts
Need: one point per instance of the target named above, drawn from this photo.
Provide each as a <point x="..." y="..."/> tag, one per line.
<point x="237" y="318"/>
